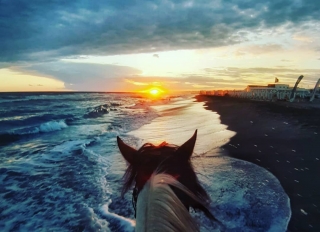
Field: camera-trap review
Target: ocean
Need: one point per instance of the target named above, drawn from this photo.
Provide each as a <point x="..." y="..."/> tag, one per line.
<point x="61" y="170"/>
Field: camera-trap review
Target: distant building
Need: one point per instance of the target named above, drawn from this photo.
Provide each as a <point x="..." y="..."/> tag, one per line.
<point x="263" y="92"/>
<point x="275" y="87"/>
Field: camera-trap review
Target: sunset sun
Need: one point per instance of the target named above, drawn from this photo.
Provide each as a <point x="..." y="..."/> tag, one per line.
<point x="154" y="91"/>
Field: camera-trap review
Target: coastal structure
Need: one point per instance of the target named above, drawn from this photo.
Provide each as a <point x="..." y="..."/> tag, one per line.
<point x="269" y="92"/>
<point x="314" y="92"/>
<point x="274" y="91"/>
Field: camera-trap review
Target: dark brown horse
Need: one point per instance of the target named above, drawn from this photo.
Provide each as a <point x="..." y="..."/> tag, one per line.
<point x="165" y="186"/>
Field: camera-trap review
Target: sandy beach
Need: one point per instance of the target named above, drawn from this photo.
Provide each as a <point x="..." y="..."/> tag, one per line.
<point x="283" y="138"/>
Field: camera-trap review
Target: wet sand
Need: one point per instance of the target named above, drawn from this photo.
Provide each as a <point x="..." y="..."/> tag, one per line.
<point x="284" y="138"/>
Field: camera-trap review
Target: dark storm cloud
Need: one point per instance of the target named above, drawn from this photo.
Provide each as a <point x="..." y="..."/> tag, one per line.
<point x="44" y="30"/>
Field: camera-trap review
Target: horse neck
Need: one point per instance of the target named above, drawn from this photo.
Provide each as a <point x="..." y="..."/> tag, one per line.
<point x="159" y="209"/>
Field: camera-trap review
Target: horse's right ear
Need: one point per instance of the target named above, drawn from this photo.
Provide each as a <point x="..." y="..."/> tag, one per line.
<point x="186" y="149"/>
<point x="127" y="152"/>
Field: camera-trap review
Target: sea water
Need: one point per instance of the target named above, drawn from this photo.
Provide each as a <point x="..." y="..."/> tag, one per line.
<point x="61" y="170"/>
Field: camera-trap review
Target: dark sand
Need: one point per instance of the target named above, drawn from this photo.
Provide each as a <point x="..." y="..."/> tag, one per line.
<point x="284" y="138"/>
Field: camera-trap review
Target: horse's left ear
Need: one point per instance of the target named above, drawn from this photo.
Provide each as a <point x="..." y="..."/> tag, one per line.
<point x="127" y="152"/>
<point x="186" y="149"/>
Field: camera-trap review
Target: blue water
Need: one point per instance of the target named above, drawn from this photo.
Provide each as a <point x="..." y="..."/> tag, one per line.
<point x="60" y="168"/>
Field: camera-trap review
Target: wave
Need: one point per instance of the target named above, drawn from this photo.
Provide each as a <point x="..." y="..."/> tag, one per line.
<point x="42" y="128"/>
<point x="52" y="126"/>
<point x="22" y="120"/>
<point x="12" y="136"/>
<point x="118" y="223"/>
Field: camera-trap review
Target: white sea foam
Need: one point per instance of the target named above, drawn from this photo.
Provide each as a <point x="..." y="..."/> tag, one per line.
<point x="123" y="224"/>
<point x="52" y="126"/>
<point x="69" y="146"/>
<point x="42" y="128"/>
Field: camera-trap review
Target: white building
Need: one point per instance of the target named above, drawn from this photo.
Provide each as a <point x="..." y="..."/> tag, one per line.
<point x="268" y="87"/>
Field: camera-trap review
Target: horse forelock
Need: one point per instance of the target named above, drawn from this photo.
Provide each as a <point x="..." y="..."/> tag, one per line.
<point x="148" y="159"/>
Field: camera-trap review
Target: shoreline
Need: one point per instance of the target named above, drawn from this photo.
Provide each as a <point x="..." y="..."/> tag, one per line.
<point x="283" y="138"/>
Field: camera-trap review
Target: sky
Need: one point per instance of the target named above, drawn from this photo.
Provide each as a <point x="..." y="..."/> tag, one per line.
<point x="121" y="45"/>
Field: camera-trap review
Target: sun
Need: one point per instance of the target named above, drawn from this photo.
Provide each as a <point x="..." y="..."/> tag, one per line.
<point x="154" y="91"/>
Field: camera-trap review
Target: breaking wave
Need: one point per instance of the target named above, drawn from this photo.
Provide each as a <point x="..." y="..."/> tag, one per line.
<point x="12" y="136"/>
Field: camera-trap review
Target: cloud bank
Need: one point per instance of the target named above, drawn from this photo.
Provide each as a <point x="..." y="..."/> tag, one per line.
<point x="83" y="77"/>
<point x="47" y="30"/>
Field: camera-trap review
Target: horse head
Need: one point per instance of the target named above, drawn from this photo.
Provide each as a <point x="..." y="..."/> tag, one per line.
<point x="169" y="159"/>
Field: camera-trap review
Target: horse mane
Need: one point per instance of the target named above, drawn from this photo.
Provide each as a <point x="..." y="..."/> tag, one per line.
<point x="157" y="198"/>
<point x="149" y="156"/>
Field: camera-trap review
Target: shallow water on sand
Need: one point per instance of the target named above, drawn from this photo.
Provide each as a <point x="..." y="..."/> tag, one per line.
<point x="178" y="121"/>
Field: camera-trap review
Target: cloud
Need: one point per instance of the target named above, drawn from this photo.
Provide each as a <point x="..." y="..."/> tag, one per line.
<point x="144" y="81"/>
<point x="156" y="83"/>
<point x="135" y="82"/>
<point x="259" y="49"/>
<point x="4" y="65"/>
<point x="233" y="78"/>
<point x="303" y="38"/>
<point x="240" y="77"/>
<point x="202" y="86"/>
<point x="47" y="30"/>
<point x="82" y="76"/>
